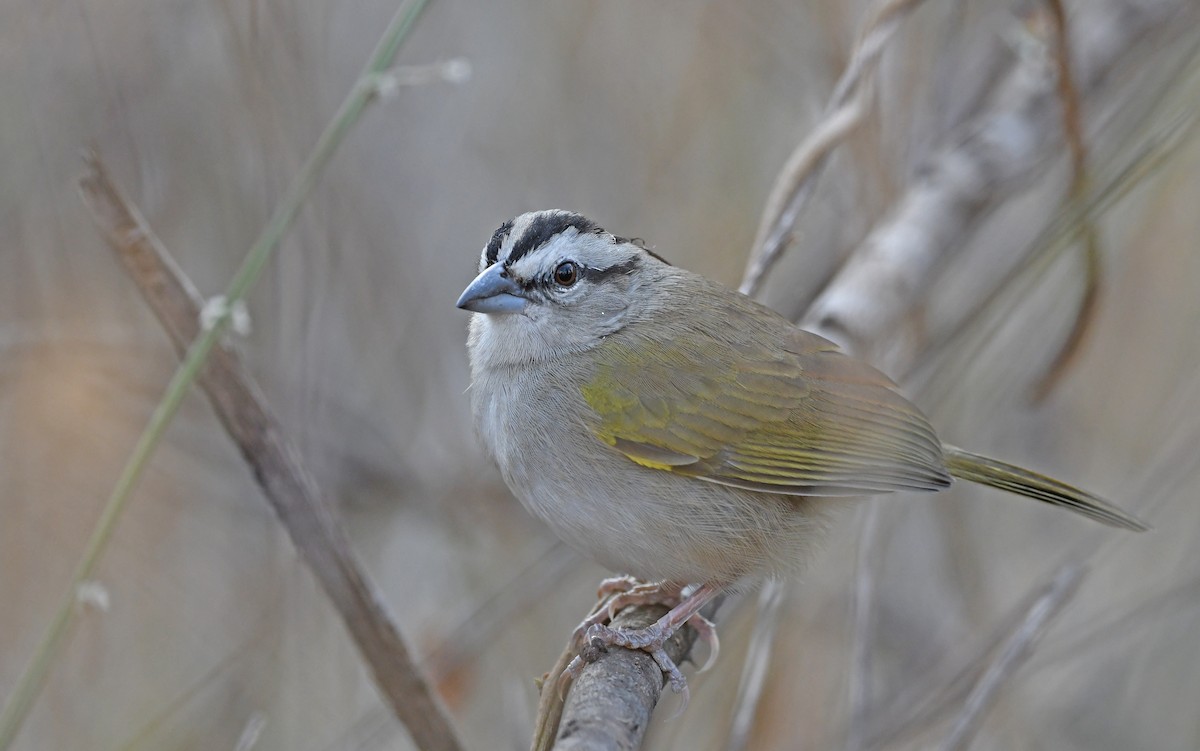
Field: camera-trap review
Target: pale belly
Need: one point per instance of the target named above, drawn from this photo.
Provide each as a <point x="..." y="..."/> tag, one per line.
<point x="646" y="522"/>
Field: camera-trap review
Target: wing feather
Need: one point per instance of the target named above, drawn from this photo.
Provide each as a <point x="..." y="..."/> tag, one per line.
<point x="780" y="411"/>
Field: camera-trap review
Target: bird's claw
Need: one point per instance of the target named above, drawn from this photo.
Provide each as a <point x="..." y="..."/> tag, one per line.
<point x="595" y="633"/>
<point x="650" y="640"/>
<point x="625" y="591"/>
<point x="706" y="632"/>
<point x="617" y="584"/>
<point x="674" y="677"/>
<point x="619" y="592"/>
<point x="569" y="674"/>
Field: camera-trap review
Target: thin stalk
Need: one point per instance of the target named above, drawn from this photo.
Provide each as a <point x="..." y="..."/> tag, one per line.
<point x="30" y="684"/>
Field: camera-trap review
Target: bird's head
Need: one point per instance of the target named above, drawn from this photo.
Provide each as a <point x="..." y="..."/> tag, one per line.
<point x="554" y="282"/>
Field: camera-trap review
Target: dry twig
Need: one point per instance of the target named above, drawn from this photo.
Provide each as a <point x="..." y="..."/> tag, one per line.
<point x="582" y="723"/>
<point x="1018" y="648"/>
<point x="1147" y="157"/>
<point x="610" y="703"/>
<point x="550" y="703"/>
<point x="918" y="708"/>
<point x="33" y="678"/>
<point x="1077" y="194"/>
<point x="1000" y="149"/>
<point x="239" y="405"/>
<point x="867" y="570"/>
<point x="758" y="664"/>
<point x="847" y="108"/>
<point x="463" y="644"/>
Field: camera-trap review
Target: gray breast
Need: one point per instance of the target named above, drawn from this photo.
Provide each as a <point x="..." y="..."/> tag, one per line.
<point x="631" y="519"/>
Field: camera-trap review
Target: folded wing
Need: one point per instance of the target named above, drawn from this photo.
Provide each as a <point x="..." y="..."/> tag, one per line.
<point x="783" y="411"/>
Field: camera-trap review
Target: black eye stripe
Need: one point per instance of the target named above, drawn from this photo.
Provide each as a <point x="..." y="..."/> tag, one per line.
<point x="583" y="273"/>
<point x="595" y="275"/>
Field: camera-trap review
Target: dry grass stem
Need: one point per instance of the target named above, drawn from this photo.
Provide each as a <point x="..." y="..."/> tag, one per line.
<point x="926" y="703"/>
<point x="847" y="108"/>
<point x="1149" y="155"/>
<point x="307" y="517"/>
<point x="476" y="632"/>
<point x="1049" y="604"/>
<point x="462" y="645"/>
<point x="863" y="618"/>
<point x="551" y="700"/>
<point x="999" y="150"/>
<point x="32" y="679"/>
<point x="1151" y="610"/>
<point x="1077" y="193"/>
<point x="758" y="664"/>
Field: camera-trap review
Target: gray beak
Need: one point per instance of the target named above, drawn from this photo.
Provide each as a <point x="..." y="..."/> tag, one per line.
<point x="493" y="292"/>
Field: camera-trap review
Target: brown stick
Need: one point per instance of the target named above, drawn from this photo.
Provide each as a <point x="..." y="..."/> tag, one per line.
<point x="312" y="526"/>
<point x="1072" y="119"/>
<point x="611" y="701"/>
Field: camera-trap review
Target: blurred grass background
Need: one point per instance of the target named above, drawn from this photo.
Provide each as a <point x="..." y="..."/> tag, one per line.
<point x="666" y="121"/>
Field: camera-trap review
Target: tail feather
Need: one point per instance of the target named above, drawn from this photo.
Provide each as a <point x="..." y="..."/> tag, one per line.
<point x="995" y="474"/>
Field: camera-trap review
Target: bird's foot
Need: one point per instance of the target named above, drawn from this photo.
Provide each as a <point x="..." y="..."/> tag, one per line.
<point x="620" y="592"/>
<point x="596" y="635"/>
<point x="650" y="640"/>
<point x="616" y="584"/>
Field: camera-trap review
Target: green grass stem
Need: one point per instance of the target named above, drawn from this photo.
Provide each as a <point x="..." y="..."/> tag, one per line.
<point x="31" y="681"/>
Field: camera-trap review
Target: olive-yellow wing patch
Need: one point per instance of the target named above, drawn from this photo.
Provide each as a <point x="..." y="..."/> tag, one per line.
<point x="792" y="416"/>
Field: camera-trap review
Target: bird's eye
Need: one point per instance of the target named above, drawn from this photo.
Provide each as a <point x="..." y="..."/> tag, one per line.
<point x="566" y="274"/>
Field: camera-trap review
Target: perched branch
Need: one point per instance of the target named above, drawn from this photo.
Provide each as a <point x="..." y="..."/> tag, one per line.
<point x="239" y="405"/>
<point x="625" y="677"/>
<point x="609" y="706"/>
